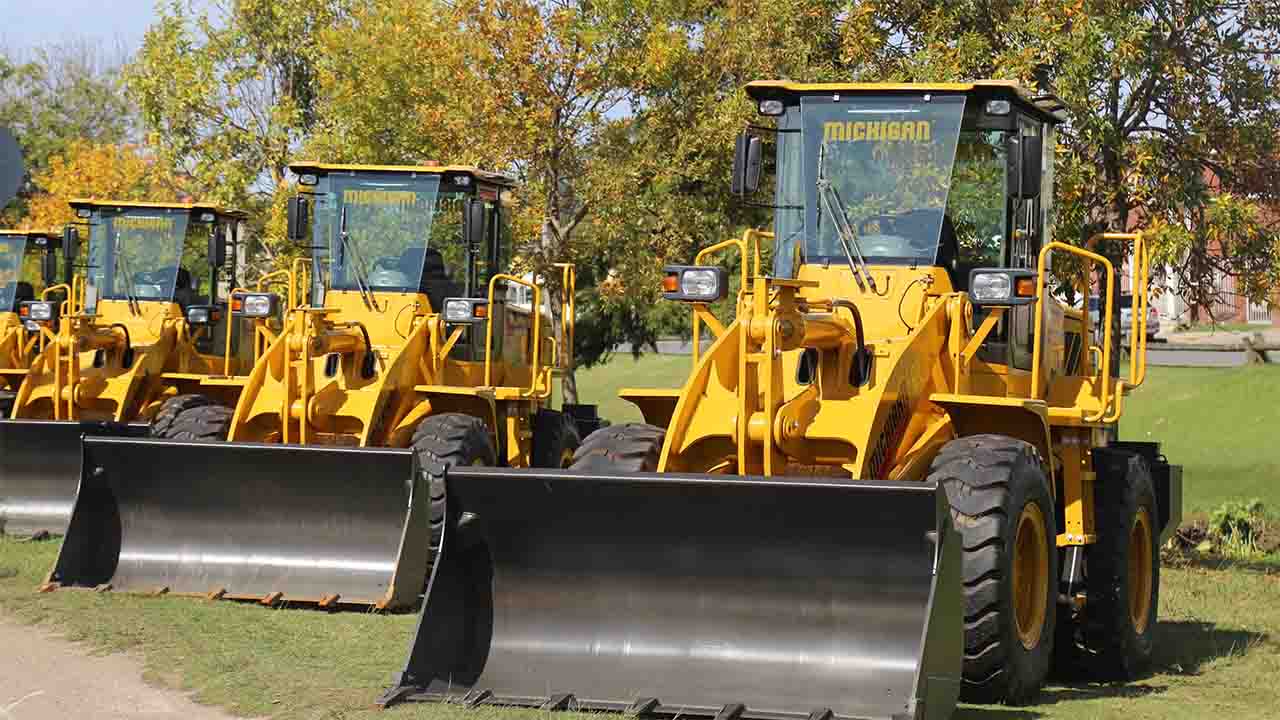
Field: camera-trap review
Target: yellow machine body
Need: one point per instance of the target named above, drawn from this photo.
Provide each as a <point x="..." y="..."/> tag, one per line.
<point x="405" y="349"/>
<point x="908" y="331"/>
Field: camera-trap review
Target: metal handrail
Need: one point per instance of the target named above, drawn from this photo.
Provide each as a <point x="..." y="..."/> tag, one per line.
<point x="537" y="328"/>
<point x="1036" y="353"/>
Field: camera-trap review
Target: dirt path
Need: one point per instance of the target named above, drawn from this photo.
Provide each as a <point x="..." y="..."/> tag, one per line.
<point x="44" y="677"/>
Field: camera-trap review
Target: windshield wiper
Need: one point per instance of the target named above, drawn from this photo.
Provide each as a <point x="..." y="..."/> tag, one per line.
<point x="830" y="200"/>
<point x="361" y="272"/>
<point x="122" y="269"/>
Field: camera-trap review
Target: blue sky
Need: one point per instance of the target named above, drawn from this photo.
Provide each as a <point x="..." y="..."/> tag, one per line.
<point x="30" y="23"/>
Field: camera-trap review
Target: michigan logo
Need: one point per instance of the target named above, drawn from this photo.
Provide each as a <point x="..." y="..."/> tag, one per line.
<point x="400" y="198"/>
<point x="153" y="224"/>
<point x="882" y="131"/>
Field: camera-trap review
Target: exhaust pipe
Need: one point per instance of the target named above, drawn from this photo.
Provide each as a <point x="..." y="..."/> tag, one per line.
<point x="715" y="596"/>
<point x="273" y="523"/>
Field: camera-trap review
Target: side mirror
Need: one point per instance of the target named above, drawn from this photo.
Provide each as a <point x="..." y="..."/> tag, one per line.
<point x="474" y="224"/>
<point x="217" y="245"/>
<point x="299" y="218"/>
<point x="1025" y="166"/>
<point x="49" y="267"/>
<point x="746" y="165"/>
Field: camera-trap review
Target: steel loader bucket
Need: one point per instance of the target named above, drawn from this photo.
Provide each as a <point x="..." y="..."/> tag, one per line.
<point x="276" y="523"/>
<point x="692" y="595"/>
<point x="40" y="469"/>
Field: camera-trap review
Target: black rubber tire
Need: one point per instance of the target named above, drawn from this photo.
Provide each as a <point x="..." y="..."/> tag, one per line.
<point x="444" y="441"/>
<point x="1107" y="645"/>
<point x="173" y="407"/>
<point x="198" y="422"/>
<point x="555" y="439"/>
<point x="990" y="480"/>
<point x="629" y="447"/>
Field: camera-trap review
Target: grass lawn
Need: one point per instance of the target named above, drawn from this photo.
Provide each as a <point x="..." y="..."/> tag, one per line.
<point x="1218" y="649"/>
<point x="1220" y="424"/>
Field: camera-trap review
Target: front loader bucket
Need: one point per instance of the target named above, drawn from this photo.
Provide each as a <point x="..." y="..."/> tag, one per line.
<point x="275" y="523"/>
<point x="40" y="469"/>
<point x="691" y="595"/>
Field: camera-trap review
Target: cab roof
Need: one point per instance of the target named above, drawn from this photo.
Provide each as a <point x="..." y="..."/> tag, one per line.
<point x="1046" y="107"/>
<point x="31" y="233"/>
<point x="189" y="206"/>
<point x="318" y="168"/>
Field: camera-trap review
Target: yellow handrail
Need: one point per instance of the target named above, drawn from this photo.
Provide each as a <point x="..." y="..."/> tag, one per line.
<point x="742" y="245"/>
<point x="537" y="329"/>
<point x="1036" y="354"/>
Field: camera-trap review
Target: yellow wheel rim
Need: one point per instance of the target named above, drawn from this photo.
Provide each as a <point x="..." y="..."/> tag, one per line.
<point x="566" y="458"/>
<point x="1140" y="564"/>
<point x="1030" y="576"/>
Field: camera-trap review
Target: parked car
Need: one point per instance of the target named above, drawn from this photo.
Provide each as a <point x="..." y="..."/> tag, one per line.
<point x="1126" y="317"/>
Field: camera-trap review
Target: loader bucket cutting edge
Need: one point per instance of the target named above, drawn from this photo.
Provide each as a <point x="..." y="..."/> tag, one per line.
<point x="40" y="470"/>
<point x="274" y="523"/>
<point x="673" y="595"/>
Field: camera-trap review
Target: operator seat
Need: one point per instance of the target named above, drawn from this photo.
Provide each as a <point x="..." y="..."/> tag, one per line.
<point x="433" y="278"/>
<point x="183" y="293"/>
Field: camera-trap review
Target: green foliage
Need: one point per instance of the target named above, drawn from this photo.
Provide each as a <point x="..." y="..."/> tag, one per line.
<point x="1238" y="525"/>
<point x="227" y="92"/>
<point x="59" y="96"/>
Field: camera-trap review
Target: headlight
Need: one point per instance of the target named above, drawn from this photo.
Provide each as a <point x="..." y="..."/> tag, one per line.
<point x="990" y="287"/>
<point x="771" y="107"/>
<point x="465" y="310"/>
<point x="31" y="326"/>
<point x="40" y="310"/>
<point x="255" y="304"/>
<point x="695" y="283"/>
<point x="202" y="315"/>
<point x="1012" y="286"/>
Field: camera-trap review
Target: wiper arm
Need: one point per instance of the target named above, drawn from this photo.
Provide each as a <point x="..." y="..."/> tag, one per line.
<point x="357" y="265"/>
<point x="122" y="268"/>
<point x="833" y="206"/>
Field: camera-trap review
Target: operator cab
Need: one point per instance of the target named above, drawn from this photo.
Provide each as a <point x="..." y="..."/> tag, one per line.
<point x="402" y="229"/>
<point x="957" y="176"/>
<point x="28" y="260"/>
<point x="144" y="252"/>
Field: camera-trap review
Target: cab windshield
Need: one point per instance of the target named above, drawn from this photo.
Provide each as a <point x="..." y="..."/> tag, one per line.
<point x="395" y="232"/>
<point x="886" y="163"/>
<point x="12" y="288"/>
<point x="136" y="254"/>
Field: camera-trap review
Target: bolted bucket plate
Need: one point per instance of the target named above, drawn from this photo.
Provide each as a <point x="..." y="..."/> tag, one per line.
<point x="277" y="523"/>
<point x="691" y="595"/>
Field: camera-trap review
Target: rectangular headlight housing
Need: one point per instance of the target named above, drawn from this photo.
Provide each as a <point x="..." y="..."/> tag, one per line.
<point x="255" y="305"/>
<point x="201" y="315"/>
<point x="38" y="310"/>
<point x="465" y="311"/>
<point x="1002" y="286"/>
<point x="695" y="283"/>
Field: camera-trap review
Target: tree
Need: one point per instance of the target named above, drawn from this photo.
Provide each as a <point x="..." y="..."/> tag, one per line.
<point x="517" y="85"/>
<point x="88" y="170"/>
<point x="227" y="94"/>
<point x="60" y="95"/>
<point x="1169" y="104"/>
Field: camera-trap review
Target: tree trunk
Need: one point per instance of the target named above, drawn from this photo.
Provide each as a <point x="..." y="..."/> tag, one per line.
<point x="556" y="290"/>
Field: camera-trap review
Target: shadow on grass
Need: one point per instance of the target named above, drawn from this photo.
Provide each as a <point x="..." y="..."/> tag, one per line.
<point x="1182" y="648"/>
<point x="1266" y="564"/>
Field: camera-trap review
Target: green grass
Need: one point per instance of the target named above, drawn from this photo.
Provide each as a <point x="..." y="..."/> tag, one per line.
<point x="1219" y="423"/>
<point x="1218" y="650"/>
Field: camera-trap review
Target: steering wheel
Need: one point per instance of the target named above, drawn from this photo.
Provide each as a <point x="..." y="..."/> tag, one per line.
<point x="386" y="262"/>
<point x="888" y="224"/>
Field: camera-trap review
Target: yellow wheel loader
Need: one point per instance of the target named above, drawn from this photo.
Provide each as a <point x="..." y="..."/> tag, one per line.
<point x="888" y="479"/>
<point x="119" y="347"/>
<point x="28" y="260"/>
<point x="413" y="354"/>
